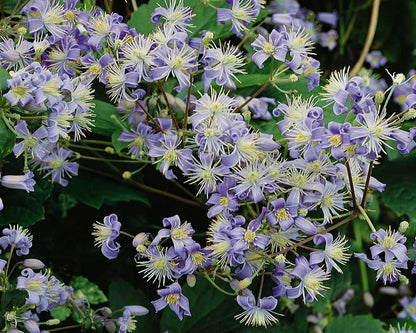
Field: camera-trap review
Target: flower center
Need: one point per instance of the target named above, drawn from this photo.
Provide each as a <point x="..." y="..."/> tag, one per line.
<point x="172" y="298"/>
<point x="249" y="236"/>
<point x="224" y="201"/>
<point x="281" y="214"/>
<point x="335" y="140"/>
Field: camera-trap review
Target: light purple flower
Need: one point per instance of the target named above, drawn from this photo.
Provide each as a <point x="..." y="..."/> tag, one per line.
<point x="105" y="233"/>
<point x="24" y="182"/>
<point x="172" y="296"/>
<point x="375" y="59"/>
<point x="17" y="237"/>
<point x="58" y="167"/>
<point x="258" y="313"/>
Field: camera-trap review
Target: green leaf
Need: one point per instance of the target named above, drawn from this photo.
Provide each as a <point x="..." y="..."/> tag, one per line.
<point x="118" y="146"/>
<point x="101" y="190"/>
<point x="140" y="19"/>
<point x="122" y="293"/>
<point x="60" y="312"/>
<point x="249" y="80"/>
<point x="355" y="324"/>
<point x="7" y="139"/>
<point x="90" y="290"/>
<point x="104" y="125"/>
<point x="25" y="208"/>
<point x="4" y="76"/>
<point x="210" y="310"/>
<point x="399" y="193"/>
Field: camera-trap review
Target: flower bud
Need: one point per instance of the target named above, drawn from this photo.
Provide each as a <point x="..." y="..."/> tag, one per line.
<point x="244" y="283"/>
<point x="403" y="226"/>
<point x="140" y="239"/>
<point x="368" y="299"/>
<point x="136" y="310"/>
<point x="151" y="103"/>
<point x="293" y="77"/>
<point x="410" y="114"/>
<point x="105" y="311"/>
<point x="52" y="322"/>
<point x="379" y="97"/>
<point x="110" y="326"/>
<point x="391" y="291"/>
<point x="32" y="326"/>
<point x="179" y="104"/>
<point x="109" y="150"/>
<point x="191" y="280"/>
<point x="403" y="279"/>
<point x="303" y="211"/>
<point x="247" y="116"/>
<point x="398" y="79"/>
<point x="126" y="175"/>
<point x="33" y="264"/>
<point x="280" y="258"/>
<point x="22" y="30"/>
<point x="170" y="99"/>
<point x="209" y="36"/>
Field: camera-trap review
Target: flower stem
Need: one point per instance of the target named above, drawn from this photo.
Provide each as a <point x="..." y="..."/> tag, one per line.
<point x="363" y="212"/>
<point x="218" y="287"/>
<point x="64" y="328"/>
<point x="175" y="122"/>
<point x="369" y="39"/>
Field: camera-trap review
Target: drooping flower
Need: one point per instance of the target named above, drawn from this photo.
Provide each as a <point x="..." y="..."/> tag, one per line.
<point x="240" y="15"/>
<point x="105" y="233"/>
<point x="17" y="237"/>
<point x="275" y="46"/>
<point x="24" y="182"/>
<point x="311" y="280"/>
<point x="335" y="251"/>
<point x="256" y="313"/>
<point x="172" y="296"/>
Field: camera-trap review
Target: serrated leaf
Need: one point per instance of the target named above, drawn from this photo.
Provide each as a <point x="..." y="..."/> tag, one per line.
<point x="60" y="312"/>
<point x="122" y="293"/>
<point x="103" y="124"/>
<point x="25" y="208"/>
<point x="101" y="190"/>
<point x="90" y="290"/>
<point x="355" y="324"/>
<point x="4" y="76"/>
<point x="7" y="140"/>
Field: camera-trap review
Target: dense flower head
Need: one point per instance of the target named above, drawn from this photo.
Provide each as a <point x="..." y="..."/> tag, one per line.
<point x="18" y="238"/>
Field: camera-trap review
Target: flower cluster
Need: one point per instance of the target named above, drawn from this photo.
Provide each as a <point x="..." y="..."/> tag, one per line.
<point x="44" y="292"/>
<point x="181" y="109"/>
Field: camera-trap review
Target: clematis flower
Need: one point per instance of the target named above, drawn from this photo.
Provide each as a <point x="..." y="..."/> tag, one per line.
<point x="256" y="313"/>
<point x="105" y="233"/>
<point x="172" y="296"/>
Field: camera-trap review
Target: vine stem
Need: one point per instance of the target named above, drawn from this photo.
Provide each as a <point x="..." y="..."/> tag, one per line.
<point x="64" y="328"/>
<point x="367" y="219"/>
<point x="145" y="187"/>
<point x="217" y="286"/>
<point x="347" y="164"/>
<point x="3" y="293"/>
<point x="150" y="116"/>
<point x="308" y="239"/>
<point x="175" y="122"/>
<point x="369" y="39"/>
